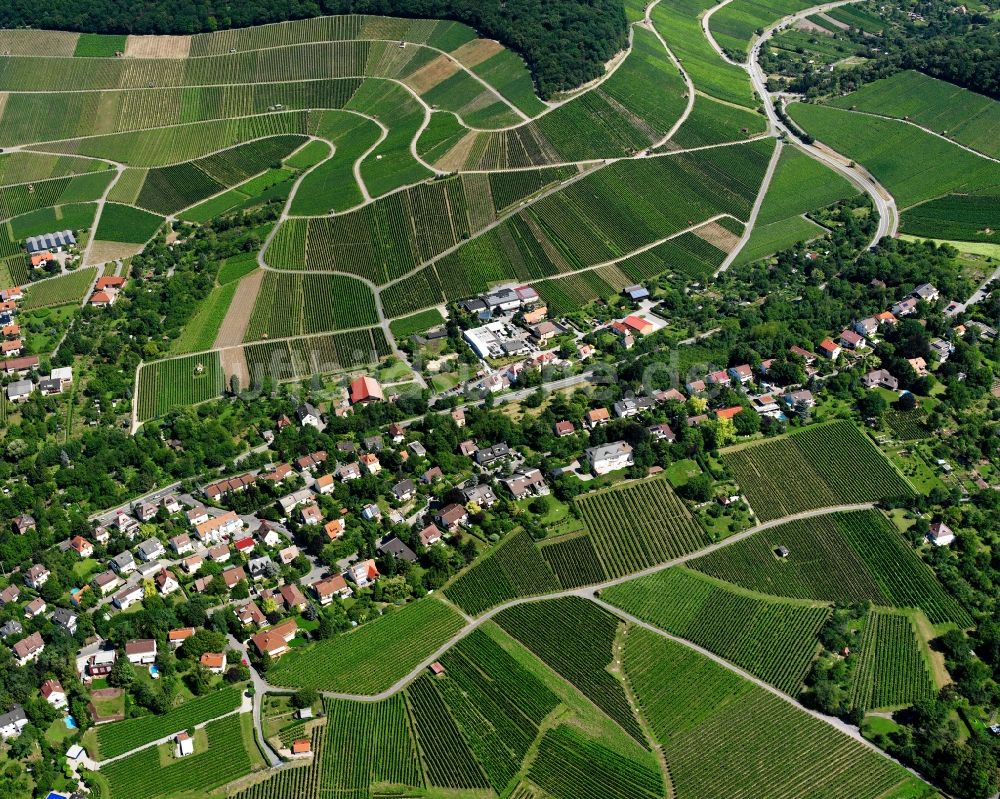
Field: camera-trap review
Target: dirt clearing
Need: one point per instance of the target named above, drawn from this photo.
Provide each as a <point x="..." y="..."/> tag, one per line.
<point x="103" y="251"/>
<point x="158" y="47"/>
<point x="477" y="51"/>
<point x="456" y="157"/>
<point x="430" y="75"/>
<point x="716" y="235"/>
<point x="234" y="326"/>
<point x="234" y="362"/>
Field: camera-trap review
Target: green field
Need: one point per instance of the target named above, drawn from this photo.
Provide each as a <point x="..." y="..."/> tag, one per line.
<point x="892" y="669"/>
<point x="373" y="657"/>
<point x="200" y="331"/>
<point x="514" y="569"/>
<point x="723" y="736"/>
<point x="639" y="524"/>
<point x="913" y="165"/>
<point x="142" y="776"/>
<point x="734" y="25"/>
<point x="845" y="557"/>
<point x="833" y="464"/>
<point x="177" y="382"/>
<point x="126" y="224"/>
<point x="957" y="217"/>
<point x="122" y="736"/>
<point x="417" y="323"/>
<point x="771" y="639"/>
<point x="576" y="639"/>
<point x="968" y="118"/>
<point x="61" y="290"/>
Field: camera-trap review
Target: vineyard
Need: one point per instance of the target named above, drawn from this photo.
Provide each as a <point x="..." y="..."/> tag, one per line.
<point x="372" y="657"/>
<point x="576" y="639"/>
<point x="315" y="355"/>
<point x="180" y="381"/>
<point x="892" y="670"/>
<point x="639" y="524"/>
<point x="495" y="704"/>
<point x="294" y="305"/>
<point x="141" y="776"/>
<point x="574" y="561"/>
<point x="514" y="569"/>
<point x="122" y="736"/>
<point x="62" y="290"/>
<point x="834" y="464"/>
<point x="771" y="639"/>
<point x="844" y="557"/>
<point x="958" y="217"/>
<point x="722" y="736"/>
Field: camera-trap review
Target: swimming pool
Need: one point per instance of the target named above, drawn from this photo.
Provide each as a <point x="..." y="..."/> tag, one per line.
<point x="154" y="672"/>
<point x="70" y="722"/>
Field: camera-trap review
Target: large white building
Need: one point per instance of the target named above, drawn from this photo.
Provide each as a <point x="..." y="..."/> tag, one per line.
<point x="497" y="340"/>
<point x="609" y="457"/>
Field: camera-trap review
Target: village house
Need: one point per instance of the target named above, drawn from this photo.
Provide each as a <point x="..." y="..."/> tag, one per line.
<point x="35" y="608"/>
<point x="293" y="598"/>
<point x="564" y="428"/>
<point x="430" y="535"/>
<point x="481" y="495"/>
<point x="192" y="564"/>
<point x="65" y="619"/>
<point x="261" y="567"/>
<point x="36" y="576"/>
<point x="309" y="414"/>
<point x="919" y="366"/>
<point x="632" y="406"/>
<point x="197" y="516"/>
<point x="363" y="573"/>
<point x="288" y="554"/>
<point x="12" y="722"/>
<point x="324" y="484"/>
<point x="596" y="418"/>
<point x="233" y="576"/>
<point x="24" y="524"/>
<point x="11" y="627"/>
<point x="526" y="483"/>
<point x="219" y="553"/>
<point x="177" y="637"/>
<point x="880" y="378"/>
<point x="926" y="292"/>
<point x="53" y="693"/>
<point x="294" y="500"/>
<point x="905" y="307"/>
<point x="20" y="390"/>
<point x="829" y="350"/>
<point x="181" y="544"/>
<point x="9" y="595"/>
<point x="311" y="514"/>
<point x="28" y="649"/>
<point x="451" y="517"/>
<point x="274" y="641"/>
<point x="277" y="474"/>
<point x="183" y="745"/>
<point x="106" y="582"/>
<point x="330" y="587"/>
<point x="166" y="582"/>
<point x="488" y="456"/>
<point x="335" y="528"/>
<point x="404" y="490"/>
<point x="249" y="615"/>
<point x="128" y="596"/>
<point x="349" y="471"/>
<point x="852" y="340"/>
<point x="150" y="549"/>
<point x="432" y="475"/>
<point x="371" y="512"/>
<point x="468" y="448"/>
<point x="215" y="662"/>
<point x="609" y="457"/>
<point x="81" y="546"/>
<point x="662" y="432"/>
<point x="141" y="651"/>
<point x="371" y="464"/>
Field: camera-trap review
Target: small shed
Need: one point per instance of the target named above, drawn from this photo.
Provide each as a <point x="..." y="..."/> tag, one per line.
<point x="302" y="746"/>
<point x="781" y="552"/>
<point x="437" y="668"/>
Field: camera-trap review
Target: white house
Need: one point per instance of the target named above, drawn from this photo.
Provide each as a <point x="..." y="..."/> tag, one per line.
<point x="609" y="457"/>
<point x="185" y="745"/>
<point x="128" y="596"/>
<point x="940" y="534"/>
<point x="53" y="693"/>
<point x="141" y="651"/>
<point x="12" y="722"/>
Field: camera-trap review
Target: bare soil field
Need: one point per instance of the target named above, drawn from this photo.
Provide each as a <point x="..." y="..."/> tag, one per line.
<point x="234" y="326"/>
<point x="157" y="46"/>
<point x="477" y="51"/>
<point x="429" y="76"/>
<point x="716" y="235"/>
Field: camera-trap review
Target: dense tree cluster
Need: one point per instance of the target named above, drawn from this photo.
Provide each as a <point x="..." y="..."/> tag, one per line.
<point x="565" y="42"/>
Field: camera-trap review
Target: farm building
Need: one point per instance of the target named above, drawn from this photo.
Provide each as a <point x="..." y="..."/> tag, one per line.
<point x="50" y="241"/>
<point x="366" y="389"/>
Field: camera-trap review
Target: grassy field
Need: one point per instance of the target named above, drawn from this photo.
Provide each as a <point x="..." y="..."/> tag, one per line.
<point x="61" y="290"/>
<point x="417" y="323"/>
<point x="710" y="723"/>
<point x="771" y="639"/>
<point x="834" y="464"/>
<point x="968" y="118"/>
<point x="200" y="332"/>
<point x="913" y="165"/>
<point x="845" y="557"/>
<point x="373" y="657"/>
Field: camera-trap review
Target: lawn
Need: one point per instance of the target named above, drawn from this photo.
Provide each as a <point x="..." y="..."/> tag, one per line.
<point x="679" y="472"/>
